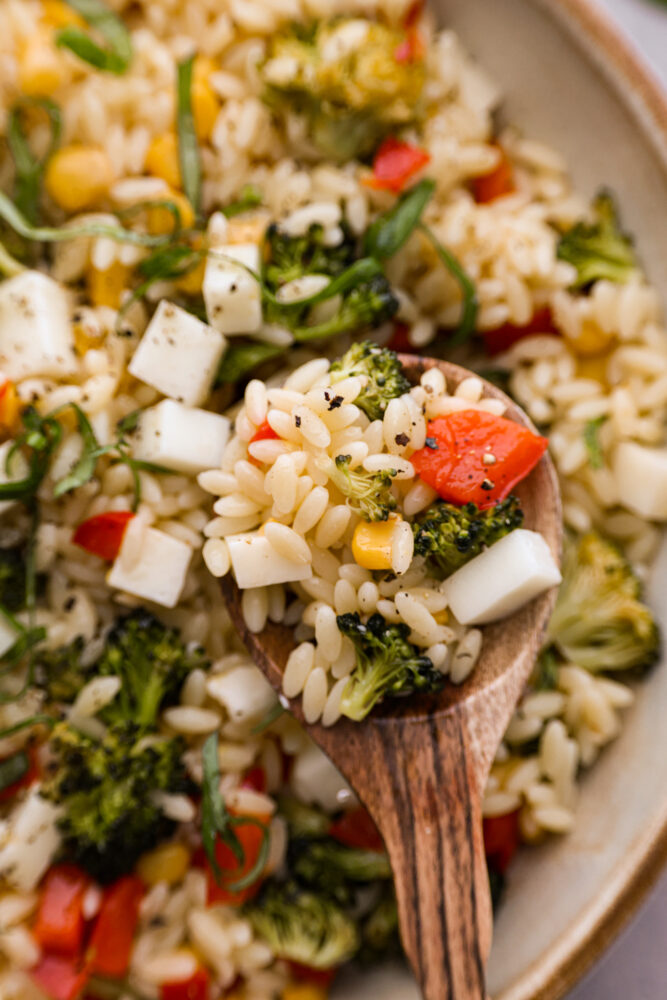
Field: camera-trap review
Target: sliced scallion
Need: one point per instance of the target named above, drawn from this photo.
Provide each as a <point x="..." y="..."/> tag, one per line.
<point x="30" y="168"/>
<point x="188" y="146"/>
<point x="116" y="56"/>
<point x="468" y="290"/>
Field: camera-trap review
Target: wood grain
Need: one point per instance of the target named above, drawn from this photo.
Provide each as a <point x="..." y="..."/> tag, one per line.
<point x="420" y="765"/>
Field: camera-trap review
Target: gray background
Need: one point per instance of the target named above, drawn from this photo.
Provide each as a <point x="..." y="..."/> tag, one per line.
<point x="636" y="967"/>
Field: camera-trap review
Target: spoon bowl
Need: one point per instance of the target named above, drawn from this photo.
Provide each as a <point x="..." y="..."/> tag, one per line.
<point x="420" y="764"/>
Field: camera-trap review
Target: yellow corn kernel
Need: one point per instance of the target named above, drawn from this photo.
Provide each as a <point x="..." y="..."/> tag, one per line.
<point x="58" y="15"/>
<point x="304" y="991"/>
<point x="105" y="288"/>
<point x="442" y="617"/>
<point x="162" y="159"/>
<point x="41" y="69"/>
<point x="205" y="108"/>
<point x="594" y="368"/>
<point x="78" y="177"/>
<point x="372" y="543"/>
<point x="191" y="283"/>
<point x="167" y="863"/>
<point x="246" y="230"/>
<point x="160" y="220"/>
<point x="591" y="340"/>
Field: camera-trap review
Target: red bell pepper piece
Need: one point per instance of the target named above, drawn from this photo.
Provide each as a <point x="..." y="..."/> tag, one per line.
<point x="503" y="337"/>
<point x="355" y="828"/>
<point x="113" y="934"/>
<point x="395" y="164"/>
<point x="250" y="837"/>
<point x="306" y="974"/>
<point x="60" y="923"/>
<point x="255" y="779"/>
<point x="399" y="339"/>
<point x="27" y="779"/>
<point x="264" y="432"/>
<point x="455" y="464"/>
<point x="501" y="839"/>
<point x="60" y="977"/>
<point x="194" y="988"/>
<point x="497" y="183"/>
<point x="412" y="48"/>
<point x="103" y="534"/>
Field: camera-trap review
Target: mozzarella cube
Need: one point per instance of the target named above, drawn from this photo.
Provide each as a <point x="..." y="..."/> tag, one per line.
<point x="18" y="469"/>
<point x="178" y="355"/>
<point x="32" y="843"/>
<point x="181" y="437"/>
<point x="641" y="479"/>
<point x="232" y="296"/>
<point x="502" y="579"/>
<point x="157" y="573"/>
<point x="315" y="780"/>
<point x="36" y="336"/>
<point x="244" y="692"/>
<point x="257" y="564"/>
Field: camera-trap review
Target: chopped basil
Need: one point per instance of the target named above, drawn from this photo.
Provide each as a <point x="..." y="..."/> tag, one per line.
<point x="591" y="435"/>
<point x="30" y="168"/>
<point x="468" y="289"/>
<point x="240" y="359"/>
<point x="188" y="147"/>
<point x="391" y="230"/>
<point x="116" y="56"/>
<point x="250" y="197"/>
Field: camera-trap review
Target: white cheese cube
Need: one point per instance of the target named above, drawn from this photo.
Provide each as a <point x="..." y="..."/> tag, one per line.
<point x="157" y="573"/>
<point x="36" y="336"/>
<point x="232" y="296"/>
<point x="18" y="469"/>
<point x="180" y="437"/>
<point x="257" y="564"/>
<point x="178" y="355"/>
<point x="641" y="479"/>
<point x="502" y="579"/>
<point x="315" y="780"/>
<point x="32" y="843"/>
<point x="244" y="692"/>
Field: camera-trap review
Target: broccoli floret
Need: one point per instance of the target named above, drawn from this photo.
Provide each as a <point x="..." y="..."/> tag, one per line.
<point x="290" y="257"/>
<point x="152" y="663"/>
<point x="449" y="536"/>
<point x="343" y="80"/>
<point x="105" y="788"/>
<point x="599" y="250"/>
<point x="363" y="308"/>
<point x="379" y="930"/>
<point x="302" y="820"/>
<point x="384" y="372"/>
<point x="302" y="926"/>
<point x="388" y="665"/>
<point x="12" y="578"/>
<point x="600" y="622"/>
<point x="368" y="493"/>
<point x="59" y="672"/>
<point x="331" y="868"/>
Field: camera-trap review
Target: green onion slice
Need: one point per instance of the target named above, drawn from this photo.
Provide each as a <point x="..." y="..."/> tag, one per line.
<point x="468" y="289"/>
<point x="30" y="168"/>
<point x="188" y="147"/>
<point x="116" y="56"/>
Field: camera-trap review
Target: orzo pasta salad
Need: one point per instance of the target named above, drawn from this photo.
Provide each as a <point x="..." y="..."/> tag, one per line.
<point x="202" y="206"/>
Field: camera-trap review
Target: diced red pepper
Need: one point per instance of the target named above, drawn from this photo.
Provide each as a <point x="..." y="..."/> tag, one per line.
<point x="194" y="988"/>
<point x="255" y="779"/>
<point x="355" y="828"/>
<point x="399" y="339"/>
<point x="250" y="837"/>
<point x="503" y="337"/>
<point x="264" y="432"/>
<point x="306" y="974"/>
<point x="501" y="839"/>
<point x="476" y="457"/>
<point x="497" y="183"/>
<point x="103" y="534"/>
<point x="113" y="934"/>
<point x="31" y="775"/>
<point x="412" y="48"/>
<point x="60" y="977"/>
<point x="395" y="164"/>
<point x="60" y="923"/>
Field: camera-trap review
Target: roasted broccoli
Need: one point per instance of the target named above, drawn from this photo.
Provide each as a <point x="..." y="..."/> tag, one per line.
<point x="449" y="536"/>
<point x="152" y="663"/>
<point x="600" y="249"/>
<point x="290" y="257"/>
<point x="302" y="820"/>
<point x="60" y="673"/>
<point x="107" y="789"/>
<point x="302" y="926"/>
<point x="334" y="869"/>
<point x="600" y="622"/>
<point x="368" y="493"/>
<point x="388" y="665"/>
<point x="384" y="373"/>
<point x="341" y="77"/>
<point x="363" y="308"/>
<point x="379" y="930"/>
<point x="12" y="578"/>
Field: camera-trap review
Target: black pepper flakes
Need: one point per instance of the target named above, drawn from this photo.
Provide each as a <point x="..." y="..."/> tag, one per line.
<point x="431" y="443"/>
<point x="487" y="485"/>
<point x="335" y="402"/>
<point x="402" y="440"/>
<point x="297" y="421"/>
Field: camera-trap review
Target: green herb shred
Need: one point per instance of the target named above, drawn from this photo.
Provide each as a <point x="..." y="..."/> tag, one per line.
<point x="116" y="56"/>
<point x="591" y="435"/>
<point x="30" y="168"/>
<point x="188" y="147"/>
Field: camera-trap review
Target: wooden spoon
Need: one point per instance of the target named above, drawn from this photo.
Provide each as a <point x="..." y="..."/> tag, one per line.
<point x="420" y="765"/>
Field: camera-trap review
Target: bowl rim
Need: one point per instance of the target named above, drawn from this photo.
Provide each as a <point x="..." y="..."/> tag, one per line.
<point x="635" y="84"/>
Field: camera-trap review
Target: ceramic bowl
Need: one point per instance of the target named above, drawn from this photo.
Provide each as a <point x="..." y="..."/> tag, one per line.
<point x="572" y="81"/>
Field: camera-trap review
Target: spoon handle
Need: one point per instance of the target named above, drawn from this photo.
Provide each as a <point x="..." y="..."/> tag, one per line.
<point x="424" y="796"/>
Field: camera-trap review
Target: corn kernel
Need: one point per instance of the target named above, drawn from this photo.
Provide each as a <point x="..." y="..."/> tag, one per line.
<point x="162" y="159"/>
<point x="591" y="340"/>
<point x="10" y="409"/>
<point x="246" y="230"/>
<point x="105" y="288"/>
<point x="442" y="617"/>
<point x="594" y="368"/>
<point x="78" y="177"/>
<point x="191" y="283"/>
<point x="205" y="108"/>
<point x="167" y="863"/>
<point x="372" y="544"/>
<point x="58" y="15"/>
<point x="304" y="991"/>
<point x="41" y="67"/>
<point x="160" y="220"/>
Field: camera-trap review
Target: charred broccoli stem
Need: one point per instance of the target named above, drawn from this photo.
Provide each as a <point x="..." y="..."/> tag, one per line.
<point x="335" y="869"/>
<point x="599" y="250"/>
<point x="449" y="536"/>
<point x="388" y="665"/>
<point x="383" y="371"/>
<point x="600" y="622"/>
<point x="106" y="789"/>
<point x="367" y="493"/>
